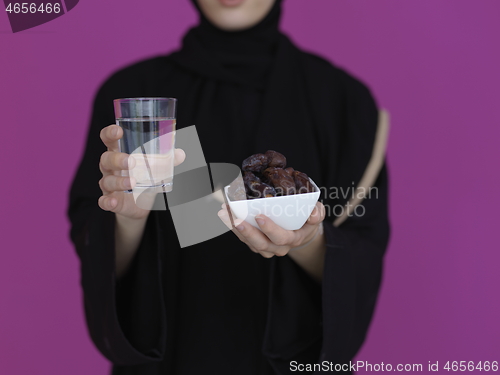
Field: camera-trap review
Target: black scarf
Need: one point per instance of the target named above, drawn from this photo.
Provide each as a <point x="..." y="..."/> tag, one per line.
<point x="241" y="57"/>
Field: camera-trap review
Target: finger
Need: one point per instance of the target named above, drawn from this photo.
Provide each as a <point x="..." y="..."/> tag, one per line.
<point x="179" y="156"/>
<point x="110" y="136"/>
<point x="111" y="183"/>
<point x="116" y="161"/>
<point x="275" y="233"/>
<point x="225" y="218"/>
<point x="317" y="215"/>
<point x="254" y="238"/>
<point x="107" y="203"/>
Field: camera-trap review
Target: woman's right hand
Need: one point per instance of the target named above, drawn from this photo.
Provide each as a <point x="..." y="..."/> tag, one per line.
<point x="112" y="184"/>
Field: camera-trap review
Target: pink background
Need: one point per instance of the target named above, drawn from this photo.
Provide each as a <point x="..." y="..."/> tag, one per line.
<point x="433" y="63"/>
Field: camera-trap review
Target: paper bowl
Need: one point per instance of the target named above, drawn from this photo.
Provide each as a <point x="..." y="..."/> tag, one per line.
<point x="289" y="211"/>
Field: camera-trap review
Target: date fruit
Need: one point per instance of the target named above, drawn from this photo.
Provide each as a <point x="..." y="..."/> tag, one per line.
<point x="302" y="183"/>
<point x="281" y="180"/>
<point x="275" y="159"/>
<point x="255" y="188"/>
<point x="255" y="163"/>
<point x="265" y="175"/>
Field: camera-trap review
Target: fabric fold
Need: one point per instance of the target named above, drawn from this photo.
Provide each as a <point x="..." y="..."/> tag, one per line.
<point x="294" y="313"/>
<point x="110" y="308"/>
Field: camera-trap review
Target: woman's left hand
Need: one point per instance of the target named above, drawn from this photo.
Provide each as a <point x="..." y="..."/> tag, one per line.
<point x="271" y="239"/>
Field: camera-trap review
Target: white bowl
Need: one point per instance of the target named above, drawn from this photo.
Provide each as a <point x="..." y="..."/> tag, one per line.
<point x="289" y="211"/>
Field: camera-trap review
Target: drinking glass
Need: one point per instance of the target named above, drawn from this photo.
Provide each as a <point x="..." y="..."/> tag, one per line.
<point x="149" y="138"/>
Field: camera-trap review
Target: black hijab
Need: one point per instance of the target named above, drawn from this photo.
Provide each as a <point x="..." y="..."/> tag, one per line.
<point x="239" y="57"/>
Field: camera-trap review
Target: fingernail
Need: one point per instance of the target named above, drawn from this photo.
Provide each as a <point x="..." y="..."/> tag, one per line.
<point x="260" y="221"/>
<point x="241" y="228"/>
<point x="125" y="163"/>
<point x="114" y="131"/>
<point x="127" y="183"/>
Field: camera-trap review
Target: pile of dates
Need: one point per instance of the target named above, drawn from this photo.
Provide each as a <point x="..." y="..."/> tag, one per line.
<point x="265" y="175"/>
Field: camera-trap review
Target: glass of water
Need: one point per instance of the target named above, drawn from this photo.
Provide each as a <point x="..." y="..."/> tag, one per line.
<point x="149" y="138"/>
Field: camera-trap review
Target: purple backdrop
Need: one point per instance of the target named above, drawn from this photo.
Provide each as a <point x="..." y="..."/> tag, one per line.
<point x="432" y="63"/>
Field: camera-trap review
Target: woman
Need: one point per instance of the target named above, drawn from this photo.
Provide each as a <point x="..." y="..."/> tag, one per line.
<point x="246" y="302"/>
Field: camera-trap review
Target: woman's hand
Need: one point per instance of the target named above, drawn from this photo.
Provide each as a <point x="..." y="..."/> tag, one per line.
<point x="271" y="239"/>
<point x="112" y="184"/>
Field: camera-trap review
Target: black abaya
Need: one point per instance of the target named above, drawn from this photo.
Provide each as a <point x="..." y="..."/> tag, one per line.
<point x="217" y="307"/>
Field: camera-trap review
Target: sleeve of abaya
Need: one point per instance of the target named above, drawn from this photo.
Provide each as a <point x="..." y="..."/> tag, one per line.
<point x="310" y="323"/>
<point x="126" y="320"/>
